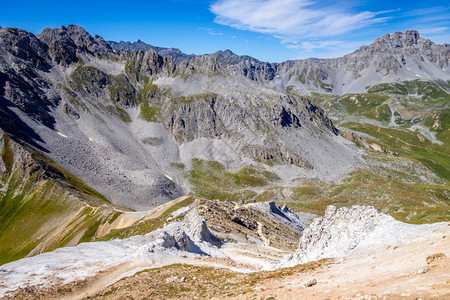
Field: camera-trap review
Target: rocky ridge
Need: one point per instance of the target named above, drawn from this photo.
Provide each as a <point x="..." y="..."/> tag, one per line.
<point x="394" y="57"/>
<point x="139" y="45"/>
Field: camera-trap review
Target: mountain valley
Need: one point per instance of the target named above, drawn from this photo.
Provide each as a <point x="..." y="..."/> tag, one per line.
<point x="152" y="160"/>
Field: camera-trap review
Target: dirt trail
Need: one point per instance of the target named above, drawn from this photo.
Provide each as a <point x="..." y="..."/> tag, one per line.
<point x="261" y="234"/>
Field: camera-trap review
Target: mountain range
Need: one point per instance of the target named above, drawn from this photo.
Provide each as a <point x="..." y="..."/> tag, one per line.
<point x="394" y="57"/>
<point x="92" y="130"/>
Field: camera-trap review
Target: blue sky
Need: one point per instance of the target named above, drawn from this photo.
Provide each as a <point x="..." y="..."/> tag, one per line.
<point x="270" y="30"/>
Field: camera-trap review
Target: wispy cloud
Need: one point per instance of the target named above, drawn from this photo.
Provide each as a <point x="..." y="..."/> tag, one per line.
<point x="291" y="20"/>
<point x="432" y="30"/>
<point x="435" y="10"/>
<point x="210" y="31"/>
<point x="325" y="49"/>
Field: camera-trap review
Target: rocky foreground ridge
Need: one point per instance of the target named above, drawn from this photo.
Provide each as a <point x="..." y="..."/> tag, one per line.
<point x="340" y="233"/>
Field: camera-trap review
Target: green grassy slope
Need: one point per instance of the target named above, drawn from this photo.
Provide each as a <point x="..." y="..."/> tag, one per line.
<point x="42" y="206"/>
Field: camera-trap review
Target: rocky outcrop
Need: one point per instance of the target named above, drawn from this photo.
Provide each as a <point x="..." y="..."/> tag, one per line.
<point x="176" y="239"/>
<point x="148" y="64"/>
<point x="339" y="232"/>
<point x="185" y="236"/>
<point x="22" y="58"/>
<point x="195" y="226"/>
<point x="396" y="56"/>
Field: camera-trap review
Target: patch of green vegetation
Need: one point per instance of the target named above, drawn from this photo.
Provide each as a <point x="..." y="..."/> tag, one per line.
<point x="407" y="143"/>
<point x="149" y="112"/>
<point x="211" y="180"/>
<point x="119" y="112"/>
<point x="122" y="91"/>
<point x="383" y="113"/>
<point x="363" y="104"/>
<point x="39" y="200"/>
<point x="407" y="202"/>
<point x="114" y="217"/>
<point x="289" y="89"/>
<point x="427" y="90"/>
<point x="130" y="67"/>
<point x="302" y="77"/>
<point x="265" y="196"/>
<point x="149" y="89"/>
<point x="290" y="76"/>
<point x="31" y="214"/>
<point x="179" y="166"/>
<point x="327" y="87"/>
<point x="23" y="212"/>
<point x="196" y="97"/>
<point x="92" y="225"/>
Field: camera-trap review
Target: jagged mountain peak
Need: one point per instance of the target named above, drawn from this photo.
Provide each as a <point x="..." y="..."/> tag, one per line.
<point x="66" y="41"/>
<point x="409" y="37"/>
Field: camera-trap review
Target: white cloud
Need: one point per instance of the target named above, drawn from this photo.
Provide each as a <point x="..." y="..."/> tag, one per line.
<point x="324" y="49"/>
<point x="210" y="31"/>
<point x="432" y="30"/>
<point x="291" y="20"/>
